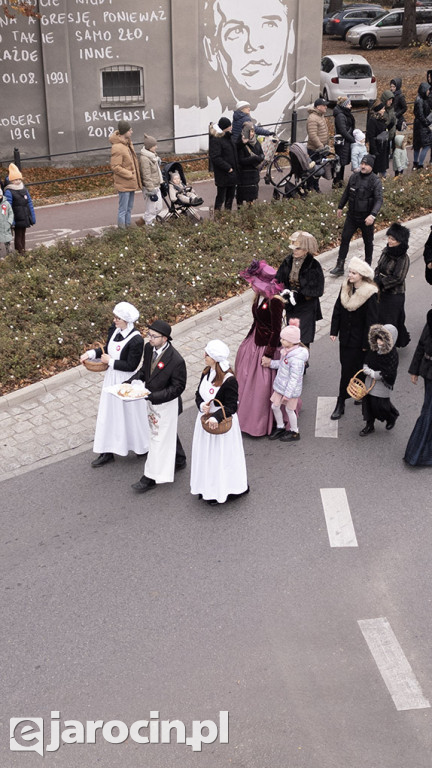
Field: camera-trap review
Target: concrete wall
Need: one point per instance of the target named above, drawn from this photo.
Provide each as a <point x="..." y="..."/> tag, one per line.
<point x="198" y="58"/>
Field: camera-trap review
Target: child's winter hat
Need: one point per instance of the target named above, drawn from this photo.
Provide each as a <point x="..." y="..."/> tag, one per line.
<point x="291" y="332"/>
<point x="358" y="134"/>
<point x="14" y="173"/>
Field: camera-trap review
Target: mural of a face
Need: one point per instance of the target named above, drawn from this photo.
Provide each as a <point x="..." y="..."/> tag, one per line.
<point x="249" y="42"/>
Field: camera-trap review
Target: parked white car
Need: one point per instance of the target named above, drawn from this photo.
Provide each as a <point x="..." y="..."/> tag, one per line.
<point x="347" y="75"/>
<point x="386" y="30"/>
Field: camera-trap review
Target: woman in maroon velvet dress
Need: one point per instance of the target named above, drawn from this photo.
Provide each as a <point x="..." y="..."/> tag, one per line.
<point x="255" y="382"/>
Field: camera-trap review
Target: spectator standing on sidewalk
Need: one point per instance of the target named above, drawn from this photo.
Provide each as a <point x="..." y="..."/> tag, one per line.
<point x="399" y="102"/>
<point x="151" y="176"/>
<point x="22" y="205"/>
<point x="422" y="129"/>
<point x="223" y="156"/>
<point x="125" y="168"/>
<point x="242" y="115"/>
<point x="6" y="221"/>
<point x="364" y="196"/>
<point x="317" y="133"/>
<point x="344" y="129"/>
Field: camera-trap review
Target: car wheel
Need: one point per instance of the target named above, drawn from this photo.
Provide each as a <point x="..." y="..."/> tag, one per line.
<point x="345" y="34"/>
<point x="367" y="42"/>
<point x="429" y="40"/>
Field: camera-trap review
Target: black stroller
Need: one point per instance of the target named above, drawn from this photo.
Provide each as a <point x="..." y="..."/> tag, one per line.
<point x="179" y="201"/>
<point x="292" y="173"/>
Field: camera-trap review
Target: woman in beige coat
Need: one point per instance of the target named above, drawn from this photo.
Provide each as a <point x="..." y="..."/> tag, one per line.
<point x="151" y="179"/>
<point x="125" y="167"/>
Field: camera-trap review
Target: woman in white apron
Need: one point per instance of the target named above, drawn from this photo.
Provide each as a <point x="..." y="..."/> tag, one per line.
<point x="218" y="462"/>
<point x="121" y="426"/>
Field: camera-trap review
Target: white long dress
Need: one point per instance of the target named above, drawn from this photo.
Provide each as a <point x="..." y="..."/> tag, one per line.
<point x="218" y="462"/>
<point x="121" y="426"/>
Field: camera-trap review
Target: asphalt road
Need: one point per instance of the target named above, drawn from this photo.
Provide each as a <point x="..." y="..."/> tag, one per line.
<point x="116" y="605"/>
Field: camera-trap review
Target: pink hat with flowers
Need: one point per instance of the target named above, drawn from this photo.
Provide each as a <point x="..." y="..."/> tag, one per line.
<point x="261" y="277"/>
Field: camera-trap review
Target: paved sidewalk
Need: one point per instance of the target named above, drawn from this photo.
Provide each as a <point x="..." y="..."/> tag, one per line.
<point x="55" y="418"/>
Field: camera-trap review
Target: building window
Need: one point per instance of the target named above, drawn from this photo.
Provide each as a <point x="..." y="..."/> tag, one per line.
<point x="122" y="84"/>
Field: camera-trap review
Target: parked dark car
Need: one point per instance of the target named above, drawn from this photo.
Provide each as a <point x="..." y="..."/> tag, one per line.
<point x="419" y="3"/>
<point x="341" y="22"/>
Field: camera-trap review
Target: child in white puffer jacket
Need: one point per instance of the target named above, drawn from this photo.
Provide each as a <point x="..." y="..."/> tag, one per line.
<point x="287" y="386"/>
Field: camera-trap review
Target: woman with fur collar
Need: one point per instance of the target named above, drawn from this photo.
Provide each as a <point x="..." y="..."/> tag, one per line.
<point x="303" y="278"/>
<point x="380" y="367"/>
<point x="355" y="310"/>
<point x="390" y="274"/>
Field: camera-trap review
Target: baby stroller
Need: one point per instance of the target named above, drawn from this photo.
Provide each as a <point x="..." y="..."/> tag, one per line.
<point x="179" y="198"/>
<point x="293" y="174"/>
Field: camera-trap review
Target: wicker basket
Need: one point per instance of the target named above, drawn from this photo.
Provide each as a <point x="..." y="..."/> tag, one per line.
<point x="96" y="365"/>
<point x="222" y="427"/>
<point x="357" y="388"/>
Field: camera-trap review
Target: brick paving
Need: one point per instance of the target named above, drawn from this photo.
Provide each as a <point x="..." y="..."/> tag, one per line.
<point x="54" y="419"/>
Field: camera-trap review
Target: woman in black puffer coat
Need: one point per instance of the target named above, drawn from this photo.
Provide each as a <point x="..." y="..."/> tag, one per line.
<point x="344" y="127"/>
<point x="422" y="133"/>
<point x="250" y="156"/>
<point x="390" y="275"/>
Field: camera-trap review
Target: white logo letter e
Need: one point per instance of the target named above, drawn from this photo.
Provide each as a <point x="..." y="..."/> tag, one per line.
<point x="30" y="731"/>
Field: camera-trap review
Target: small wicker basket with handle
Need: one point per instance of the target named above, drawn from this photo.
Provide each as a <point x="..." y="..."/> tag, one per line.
<point x="222" y="426"/>
<point x="96" y="365"/>
<point x="357" y="388"/>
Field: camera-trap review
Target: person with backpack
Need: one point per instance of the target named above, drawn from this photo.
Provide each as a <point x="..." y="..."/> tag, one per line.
<point x="364" y="195"/>
<point x="22" y="206"/>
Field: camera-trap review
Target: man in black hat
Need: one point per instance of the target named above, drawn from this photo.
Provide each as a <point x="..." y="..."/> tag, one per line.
<point x="164" y="373"/>
<point x="364" y="195"/>
<point x="223" y="156"/>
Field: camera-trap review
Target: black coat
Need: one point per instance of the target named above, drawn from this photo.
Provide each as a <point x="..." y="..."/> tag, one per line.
<point x="223" y="156"/>
<point x="421" y="365"/>
<point x="392" y="269"/>
<point x="353" y="327"/>
<point x="250" y="156"/>
<point x="399" y="103"/>
<point x="364" y="195"/>
<point x="422" y="136"/>
<point x="311" y="276"/>
<point x="427" y="253"/>
<point x="227" y="394"/>
<point x="131" y="354"/>
<point x="344" y="125"/>
<point x="168" y="380"/>
<point x="375" y="126"/>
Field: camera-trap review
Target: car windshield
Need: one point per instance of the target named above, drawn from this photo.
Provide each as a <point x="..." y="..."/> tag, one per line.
<point x="380" y="16"/>
<point x="354" y="71"/>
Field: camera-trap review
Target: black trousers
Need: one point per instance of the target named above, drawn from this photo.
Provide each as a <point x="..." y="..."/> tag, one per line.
<point x="20" y="237"/>
<point x="180" y="454"/>
<point x="352" y="224"/>
<point x="224" y="195"/>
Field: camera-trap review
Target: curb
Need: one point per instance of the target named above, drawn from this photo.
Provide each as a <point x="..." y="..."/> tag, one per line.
<point x="184" y="326"/>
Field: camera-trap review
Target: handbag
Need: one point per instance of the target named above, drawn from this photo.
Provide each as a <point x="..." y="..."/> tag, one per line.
<point x="382" y="138"/>
<point x="222" y="426"/>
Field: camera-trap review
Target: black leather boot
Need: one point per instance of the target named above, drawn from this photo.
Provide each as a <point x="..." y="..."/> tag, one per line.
<point x="104" y="458"/>
<point x="338" y="270"/>
<point x="339" y="410"/>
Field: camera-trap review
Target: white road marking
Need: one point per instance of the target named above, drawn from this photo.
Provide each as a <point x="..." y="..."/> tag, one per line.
<point x="324" y="426"/>
<point x="393" y="665"/>
<point x="339" y="522"/>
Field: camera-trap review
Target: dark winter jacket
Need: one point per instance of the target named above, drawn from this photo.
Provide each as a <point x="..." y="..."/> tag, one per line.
<point x="227" y="394"/>
<point x="239" y="118"/>
<point x="384" y="359"/>
<point x="344" y="126"/>
<point x="399" y="102"/>
<point x="375" y="126"/>
<point x="250" y="156"/>
<point x="223" y="155"/>
<point x="422" y="136"/>
<point x="392" y="269"/>
<point x="311" y="277"/>
<point x="427" y="253"/>
<point x="364" y="195"/>
<point x="131" y="354"/>
<point x="22" y="205"/>
<point x="352" y="325"/>
<point x="421" y="364"/>
<point x="389" y="114"/>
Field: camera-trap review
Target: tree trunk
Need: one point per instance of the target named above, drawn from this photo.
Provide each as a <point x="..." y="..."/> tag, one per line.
<point x="335" y="5"/>
<point x="409" y="32"/>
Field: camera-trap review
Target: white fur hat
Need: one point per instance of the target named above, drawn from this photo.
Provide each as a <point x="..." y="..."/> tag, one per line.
<point x="362" y="267"/>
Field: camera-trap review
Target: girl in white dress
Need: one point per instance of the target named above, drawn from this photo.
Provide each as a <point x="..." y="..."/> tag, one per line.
<point x="218" y="470"/>
<point x="121" y="426"/>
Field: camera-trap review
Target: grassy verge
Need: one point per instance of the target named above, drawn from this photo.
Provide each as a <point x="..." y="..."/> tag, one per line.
<point x="57" y="301"/>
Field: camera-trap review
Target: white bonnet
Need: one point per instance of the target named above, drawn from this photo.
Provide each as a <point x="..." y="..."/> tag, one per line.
<point x="126" y="311"/>
<point x="219" y="352"/>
